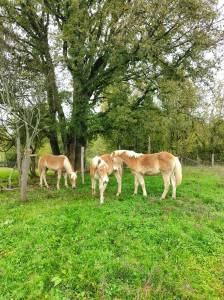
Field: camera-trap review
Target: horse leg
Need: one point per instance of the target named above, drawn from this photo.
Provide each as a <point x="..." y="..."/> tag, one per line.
<point x="44" y="177"/>
<point x="173" y="182"/>
<point x="66" y="179"/>
<point x="93" y="183"/>
<point x="141" y="180"/>
<point x="118" y="177"/>
<point x="102" y="189"/>
<point x="166" y="180"/>
<point x="58" y="179"/>
<point x="41" y="178"/>
<point x="136" y="185"/>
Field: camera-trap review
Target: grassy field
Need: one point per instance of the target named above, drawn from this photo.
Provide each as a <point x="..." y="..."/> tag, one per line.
<point x="64" y="245"/>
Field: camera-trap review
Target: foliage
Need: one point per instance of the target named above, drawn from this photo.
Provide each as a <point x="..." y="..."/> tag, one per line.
<point x="97" y="147"/>
<point x="63" y="244"/>
<point x="157" y="66"/>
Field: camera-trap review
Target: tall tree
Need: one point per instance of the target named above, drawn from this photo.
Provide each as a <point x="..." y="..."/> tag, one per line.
<point x="106" y="42"/>
<point x="25" y="34"/>
<point x="19" y="101"/>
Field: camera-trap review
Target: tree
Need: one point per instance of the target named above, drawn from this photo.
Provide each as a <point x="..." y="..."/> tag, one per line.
<point x="25" y="35"/>
<point x="19" y="102"/>
<point x="167" y="40"/>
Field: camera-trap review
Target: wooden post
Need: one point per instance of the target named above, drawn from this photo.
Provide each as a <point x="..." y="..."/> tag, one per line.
<point x="24" y="174"/>
<point x="149" y="144"/>
<point x="82" y="164"/>
<point x="213" y="159"/>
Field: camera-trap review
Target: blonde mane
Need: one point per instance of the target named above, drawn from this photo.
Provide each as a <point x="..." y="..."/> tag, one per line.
<point x="68" y="166"/>
<point x="129" y="153"/>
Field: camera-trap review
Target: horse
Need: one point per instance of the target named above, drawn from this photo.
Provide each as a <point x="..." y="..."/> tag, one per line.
<point x="151" y="164"/>
<point x="58" y="163"/>
<point x="101" y="167"/>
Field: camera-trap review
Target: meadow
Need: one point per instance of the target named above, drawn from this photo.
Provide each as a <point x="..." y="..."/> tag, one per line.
<point x="65" y="245"/>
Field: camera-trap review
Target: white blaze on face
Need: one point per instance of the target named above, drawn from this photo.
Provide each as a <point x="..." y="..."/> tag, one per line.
<point x="103" y="171"/>
<point x="73" y="177"/>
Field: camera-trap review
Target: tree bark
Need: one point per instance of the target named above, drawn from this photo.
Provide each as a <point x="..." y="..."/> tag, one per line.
<point x="18" y="152"/>
<point x="54" y="103"/>
<point x="78" y="128"/>
<point x="52" y="135"/>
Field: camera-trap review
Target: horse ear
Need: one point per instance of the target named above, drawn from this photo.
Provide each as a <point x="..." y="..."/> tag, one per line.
<point x="99" y="161"/>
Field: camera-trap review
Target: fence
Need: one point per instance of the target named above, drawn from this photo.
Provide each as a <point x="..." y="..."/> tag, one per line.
<point x="7" y="164"/>
<point x="207" y="160"/>
<point x="213" y="161"/>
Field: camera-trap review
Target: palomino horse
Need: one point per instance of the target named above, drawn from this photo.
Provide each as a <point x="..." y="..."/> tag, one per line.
<point x="151" y="164"/>
<point x="101" y="167"/>
<point x="58" y="163"/>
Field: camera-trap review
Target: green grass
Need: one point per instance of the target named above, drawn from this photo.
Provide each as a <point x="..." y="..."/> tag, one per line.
<point x="65" y="245"/>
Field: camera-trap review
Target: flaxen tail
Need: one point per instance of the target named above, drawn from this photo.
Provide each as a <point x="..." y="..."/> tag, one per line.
<point x="178" y="171"/>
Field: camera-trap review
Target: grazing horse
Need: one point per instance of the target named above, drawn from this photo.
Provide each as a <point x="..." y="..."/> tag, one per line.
<point x="151" y="164"/>
<point x="58" y="163"/>
<point x="101" y="167"/>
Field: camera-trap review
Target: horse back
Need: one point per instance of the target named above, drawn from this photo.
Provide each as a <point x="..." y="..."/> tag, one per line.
<point x="166" y="160"/>
<point x="156" y="162"/>
<point x="53" y="162"/>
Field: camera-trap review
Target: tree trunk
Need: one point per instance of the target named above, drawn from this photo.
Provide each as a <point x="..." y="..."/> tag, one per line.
<point x="52" y="135"/>
<point x="55" y="107"/>
<point x="33" y="167"/>
<point x="24" y="175"/>
<point x="74" y="150"/>
<point x="18" y="152"/>
<point x="78" y="128"/>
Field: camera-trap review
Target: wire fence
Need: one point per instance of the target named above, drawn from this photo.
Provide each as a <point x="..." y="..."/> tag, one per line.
<point x="187" y="161"/>
<point x="207" y="160"/>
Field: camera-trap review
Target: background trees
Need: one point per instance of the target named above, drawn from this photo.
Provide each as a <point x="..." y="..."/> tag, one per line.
<point x="20" y="103"/>
<point x="135" y="69"/>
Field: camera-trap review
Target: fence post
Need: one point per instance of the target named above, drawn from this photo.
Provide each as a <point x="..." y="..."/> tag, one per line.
<point x="149" y="144"/>
<point x="82" y="164"/>
<point x="213" y="159"/>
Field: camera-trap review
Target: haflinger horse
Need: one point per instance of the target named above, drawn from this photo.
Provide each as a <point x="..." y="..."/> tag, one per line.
<point x="151" y="164"/>
<point x="58" y="163"/>
<point x="101" y="167"/>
